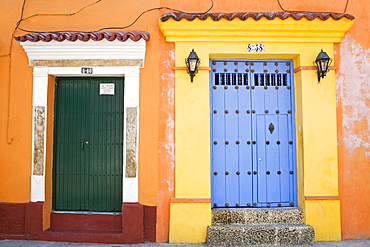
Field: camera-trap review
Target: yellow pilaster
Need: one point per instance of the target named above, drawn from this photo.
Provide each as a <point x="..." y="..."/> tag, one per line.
<point x="324" y="216"/>
<point x="192" y="153"/>
<point x="320" y="157"/>
<point x="189" y="222"/>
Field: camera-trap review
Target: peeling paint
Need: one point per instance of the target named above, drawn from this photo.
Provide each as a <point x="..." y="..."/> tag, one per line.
<point x="168" y="94"/>
<point x="353" y="91"/>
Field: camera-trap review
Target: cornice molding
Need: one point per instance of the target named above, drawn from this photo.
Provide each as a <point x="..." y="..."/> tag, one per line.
<point x="91" y="50"/>
<point x="315" y="30"/>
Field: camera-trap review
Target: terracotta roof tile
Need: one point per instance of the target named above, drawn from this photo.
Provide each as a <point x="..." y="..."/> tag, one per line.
<point x="84" y="36"/>
<point x="177" y="16"/>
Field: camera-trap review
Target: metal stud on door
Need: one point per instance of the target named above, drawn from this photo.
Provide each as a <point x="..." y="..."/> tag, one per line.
<point x="251" y="122"/>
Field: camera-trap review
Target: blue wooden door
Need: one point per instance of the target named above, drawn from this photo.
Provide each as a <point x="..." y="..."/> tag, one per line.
<point x="252" y="133"/>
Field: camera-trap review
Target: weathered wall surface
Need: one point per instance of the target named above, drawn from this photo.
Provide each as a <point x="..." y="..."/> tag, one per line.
<point x="156" y="143"/>
<point x="353" y="112"/>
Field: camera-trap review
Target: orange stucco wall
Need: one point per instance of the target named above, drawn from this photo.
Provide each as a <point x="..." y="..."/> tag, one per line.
<point x="16" y="140"/>
<point x="353" y="110"/>
<point x="156" y="150"/>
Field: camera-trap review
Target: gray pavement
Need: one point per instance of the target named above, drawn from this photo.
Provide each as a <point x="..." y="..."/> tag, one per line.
<point x="31" y="243"/>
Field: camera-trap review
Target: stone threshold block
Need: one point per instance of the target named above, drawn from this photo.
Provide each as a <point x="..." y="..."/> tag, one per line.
<point x="257" y="235"/>
<point x="255" y="216"/>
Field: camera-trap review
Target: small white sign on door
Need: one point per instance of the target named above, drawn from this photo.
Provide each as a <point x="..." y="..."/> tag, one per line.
<point x="106" y="88"/>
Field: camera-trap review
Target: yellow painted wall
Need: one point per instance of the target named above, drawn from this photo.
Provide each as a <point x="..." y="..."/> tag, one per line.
<point x="192" y="136"/>
<point x="324" y="217"/>
<point x="189" y="222"/>
<point x="299" y="136"/>
<point x="319" y="135"/>
<point x="317" y="165"/>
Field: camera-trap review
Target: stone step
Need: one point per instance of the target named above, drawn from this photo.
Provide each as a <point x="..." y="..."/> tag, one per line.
<point x="257" y="216"/>
<point x="257" y="235"/>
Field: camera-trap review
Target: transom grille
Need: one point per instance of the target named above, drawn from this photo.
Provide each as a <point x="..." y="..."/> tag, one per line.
<point x="251" y="73"/>
<point x="231" y="79"/>
<point x="270" y="80"/>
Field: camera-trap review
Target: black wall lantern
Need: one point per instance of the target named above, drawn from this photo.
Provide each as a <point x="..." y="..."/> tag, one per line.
<point x="192" y="63"/>
<point x="322" y="64"/>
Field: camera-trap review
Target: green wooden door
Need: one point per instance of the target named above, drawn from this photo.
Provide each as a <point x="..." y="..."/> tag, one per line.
<point x="88" y="144"/>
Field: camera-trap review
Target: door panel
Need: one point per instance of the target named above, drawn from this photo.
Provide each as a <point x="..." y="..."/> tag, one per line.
<point x="261" y="161"/>
<point x="284" y="160"/>
<point x="88" y="145"/>
<point x="218" y="159"/>
<point x="245" y="151"/>
<point x="272" y="158"/>
<point x="252" y="133"/>
<point x="231" y="136"/>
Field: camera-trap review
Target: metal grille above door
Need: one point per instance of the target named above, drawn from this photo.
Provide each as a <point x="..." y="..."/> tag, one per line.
<point x="252" y="133"/>
<point x="88" y="144"/>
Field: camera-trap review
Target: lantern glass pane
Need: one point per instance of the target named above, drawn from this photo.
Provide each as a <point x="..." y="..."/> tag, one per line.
<point x="326" y="64"/>
<point x="323" y="65"/>
<point x="192" y="63"/>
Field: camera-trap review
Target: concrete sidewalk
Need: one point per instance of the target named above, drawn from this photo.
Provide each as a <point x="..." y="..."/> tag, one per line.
<point x="31" y="243"/>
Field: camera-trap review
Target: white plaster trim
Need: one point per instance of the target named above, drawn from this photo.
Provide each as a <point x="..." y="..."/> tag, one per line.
<point x="40" y="86"/>
<point x="130" y="189"/>
<point x="39" y="98"/>
<point x="72" y="50"/>
<point x="131" y="99"/>
<point x="131" y="77"/>
<point x="37" y="188"/>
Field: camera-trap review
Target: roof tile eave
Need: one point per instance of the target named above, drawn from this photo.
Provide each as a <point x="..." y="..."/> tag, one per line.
<point x="297" y="15"/>
<point x="84" y="36"/>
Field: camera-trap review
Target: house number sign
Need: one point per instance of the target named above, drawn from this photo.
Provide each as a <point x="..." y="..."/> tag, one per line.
<point x="256" y="47"/>
<point x="85" y="70"/>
